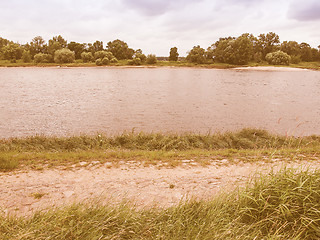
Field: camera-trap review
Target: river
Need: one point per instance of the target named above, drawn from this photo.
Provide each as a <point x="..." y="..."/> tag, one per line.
<point x="73" y="101"/>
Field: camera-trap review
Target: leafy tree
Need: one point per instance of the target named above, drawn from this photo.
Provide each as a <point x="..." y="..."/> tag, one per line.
<point x="64" y="55"/>
<point x="87" y="57"/>
<point x="196" y="55"/>
<point x="278" y="58"/>
<point x="26" y="56"/>
<point x="77" y="48"/>
<point x="305" y="52"/>
<point x="37" y="45"/>
<point x="120" y="49"/>
<point x="292" y="48"/>
<point x="138" y="54"/>
<point x="43" y="58"/>
<point x="173" y="54"/>
<point x="151" y="59"/>
<point x="12" y="51"/>
<point x="234" y="51"/>
<point x="267" y="43"/>
<point x="103" y="54"/>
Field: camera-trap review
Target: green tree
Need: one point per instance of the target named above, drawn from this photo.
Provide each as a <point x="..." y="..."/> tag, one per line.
<point x="305" y="52"/>
<point x="12" y="51"/>
<point x="64" y="55"/>
<point x="87" y="57"/>
<point x="174" y="55"/>
<point x="267" y="43"/>
<point x="138" y="54"/>
<point x="77" y="48"/>
<point x="278" y="58"/>
<point x="37" y="45"/>
<point x="234" y="50"/>
<point x="196" y="55"/>
<point x="120" y="49"/>
<point x="43" y="58"/>
<point x="290" y="47"/>
<point x="26" y="56"/>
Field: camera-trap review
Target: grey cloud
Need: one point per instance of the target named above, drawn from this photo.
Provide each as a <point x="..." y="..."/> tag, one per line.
<point x="156" y="7"/>
<point x="305" y="10"/>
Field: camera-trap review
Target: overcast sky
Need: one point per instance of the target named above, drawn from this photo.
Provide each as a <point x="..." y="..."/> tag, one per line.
<point x="157" y="25"/>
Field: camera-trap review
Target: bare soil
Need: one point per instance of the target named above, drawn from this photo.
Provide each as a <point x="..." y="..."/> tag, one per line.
<point x="23" y="192"/>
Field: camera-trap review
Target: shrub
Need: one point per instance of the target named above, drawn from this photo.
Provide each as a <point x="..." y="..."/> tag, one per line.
<point x="64" y="55"/>
<point x="43" y="58"/>
<point x="87" y="57"/>
<point x="135" y="61"/>
<point x="151" y="59"/>
<point x="196" y="55"/>
<point x="278" y="58"/>
<point x="99" y="62"/>
<point x="114" y="60"/>
<point x="105" y="61"/>
<point x="141" y="56"/>
<point x="103" y="54"/>
<point x="26" y="56"/>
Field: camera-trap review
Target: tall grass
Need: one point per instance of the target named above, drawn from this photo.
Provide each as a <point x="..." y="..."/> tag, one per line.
<point x="244" y="139"/>
<point x="282" y="205"/>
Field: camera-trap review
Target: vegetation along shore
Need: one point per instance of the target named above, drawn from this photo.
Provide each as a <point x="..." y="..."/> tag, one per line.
<point x="227" y="52"/>
<point x="279" y="204"/>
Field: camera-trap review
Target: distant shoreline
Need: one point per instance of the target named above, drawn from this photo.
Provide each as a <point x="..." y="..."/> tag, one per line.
<point x="212" y="66"/>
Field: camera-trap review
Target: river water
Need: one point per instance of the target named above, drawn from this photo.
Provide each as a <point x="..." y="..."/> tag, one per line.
<point x="72" y="101"/>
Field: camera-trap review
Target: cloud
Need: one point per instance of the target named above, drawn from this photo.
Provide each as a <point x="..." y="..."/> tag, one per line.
<point x="305" y="10"/>
<point x="156" y="7"/>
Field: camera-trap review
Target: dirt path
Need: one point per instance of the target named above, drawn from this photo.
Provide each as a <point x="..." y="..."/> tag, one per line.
<point x="22" y="193"/>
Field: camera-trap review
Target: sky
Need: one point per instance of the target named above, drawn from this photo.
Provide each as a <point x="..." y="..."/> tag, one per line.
<point x="157" y="25"/>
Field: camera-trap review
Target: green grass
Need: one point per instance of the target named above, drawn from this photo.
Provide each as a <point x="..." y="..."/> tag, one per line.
<point x="79" y="63"/>
<point x="247" y="145"/>
<point x="281" y="205"/>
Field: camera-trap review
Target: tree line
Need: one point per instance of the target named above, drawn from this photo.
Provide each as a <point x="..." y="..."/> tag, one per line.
<point x="58" y="50"/>
<point x="248" y="48"/>
<point x="232" y="50"/>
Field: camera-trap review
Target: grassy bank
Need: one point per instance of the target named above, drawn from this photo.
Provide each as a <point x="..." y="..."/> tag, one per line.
<point x="283" y="205"/>
<point x="80" y="63"/>
<point x="151" y="148"/>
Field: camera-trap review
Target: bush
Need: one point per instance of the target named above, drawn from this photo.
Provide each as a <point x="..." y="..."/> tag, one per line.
<point x="105" y="61"/>
<point x="114" y="60"/>
<point x="99" y="62"/>
<point x="43" y="58"/>
<point x="196" y="55"/>
<point x="64" y="55"/>
<point x="87" y="57"/>
<point x="135" y="61"/>
<point x="278" y="58"/>
<point x="141" y="56"/>
<point x="103" y="54"/>
<point x="151" y="59"/>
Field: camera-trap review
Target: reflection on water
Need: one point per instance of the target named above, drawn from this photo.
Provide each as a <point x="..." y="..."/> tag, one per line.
<point x="67" y="101"/>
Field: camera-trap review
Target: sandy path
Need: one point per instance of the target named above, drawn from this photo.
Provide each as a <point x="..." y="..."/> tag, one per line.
<point x="145" y="186"/>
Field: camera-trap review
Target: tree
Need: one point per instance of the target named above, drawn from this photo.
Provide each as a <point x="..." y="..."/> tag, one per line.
<point x="43" y="58"/>
<point x="26" y="56"/>
<point x="292" y="48"/>
<point x="64" y="55"/>
<point x="234" y="50"/>
<point x="267" y="43"/>
<point x="173" y="54"/>
<point x="138" y="54"/>
<point x="12" y="51"/>
<point x="196" y="55"/>
<point x="278" y="58"/>
<point x="120" y="49"/>
<point x="305" y="52"/>
<point x="87" y="57"/>
<point x="77" y="48"/>
<point x="37" y="45"/>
